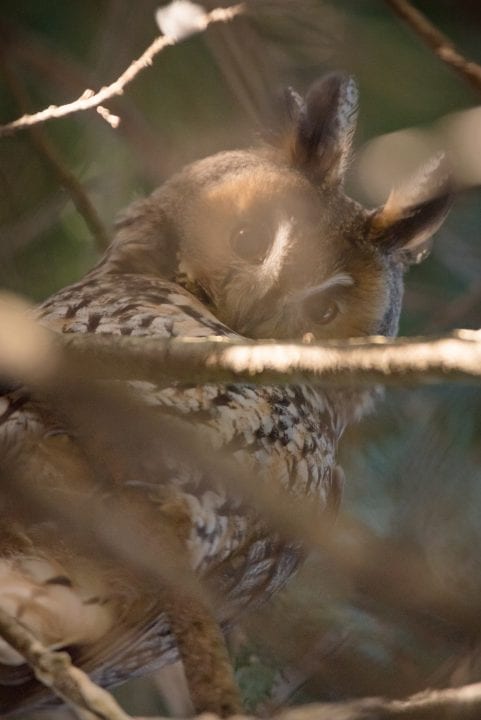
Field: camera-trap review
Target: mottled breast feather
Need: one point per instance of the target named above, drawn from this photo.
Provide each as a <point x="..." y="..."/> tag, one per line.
<point x="285" y="434"/>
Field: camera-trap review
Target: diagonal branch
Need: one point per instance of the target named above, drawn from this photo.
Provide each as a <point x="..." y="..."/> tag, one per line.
<point x="441" y="45"/>
<point x="55" y="670"/>
<point x="90" y="99"/>
<point x="46" y="150"/>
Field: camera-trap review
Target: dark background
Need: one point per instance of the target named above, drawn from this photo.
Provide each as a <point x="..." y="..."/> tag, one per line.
<point x="413" y="468"/>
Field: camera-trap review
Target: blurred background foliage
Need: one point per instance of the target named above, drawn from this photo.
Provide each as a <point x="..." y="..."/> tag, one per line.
<point x="413" y="468"/>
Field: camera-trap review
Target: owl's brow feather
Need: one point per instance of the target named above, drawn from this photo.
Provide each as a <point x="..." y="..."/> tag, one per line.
<point x="339" y="279"/>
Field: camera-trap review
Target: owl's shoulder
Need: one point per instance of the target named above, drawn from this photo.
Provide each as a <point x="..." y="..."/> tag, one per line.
<point x="128" y="304"/>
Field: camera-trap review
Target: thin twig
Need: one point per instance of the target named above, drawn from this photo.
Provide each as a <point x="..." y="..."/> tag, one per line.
<point x="55" y="670"/>
<point x="90" y="99"/>
<point x="66" y="178"/>
<point x="441" y="45"/>
<point x="63" y="73"/>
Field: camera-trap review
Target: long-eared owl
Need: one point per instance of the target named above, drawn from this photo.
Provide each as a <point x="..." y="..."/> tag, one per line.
<point x="260" y="243"/>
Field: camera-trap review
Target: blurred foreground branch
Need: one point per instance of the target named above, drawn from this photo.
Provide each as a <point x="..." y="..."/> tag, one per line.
<point x="30" y="353"/>
<point x="462" y="703"/>
<point x="127" y="358"/>
<point x="208" y="670"/>
<point x="454" y="357"/>
<point x="54" y="669"/>
<point x="441" y="45"/>
<point x="90" y="99"/>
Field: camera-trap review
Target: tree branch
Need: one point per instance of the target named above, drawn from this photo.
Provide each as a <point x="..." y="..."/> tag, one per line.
<point x="34" y="354"/>
<point x="208" y="670"/>
<point x="90" y="99"/>
<point x="365" y="361"/>
<point x="462" y="703"/>
<point x="441" y="45"/>
<point x="46" y="150"/>
<point x="55" y="671"/>
<point x="94" y="354"/>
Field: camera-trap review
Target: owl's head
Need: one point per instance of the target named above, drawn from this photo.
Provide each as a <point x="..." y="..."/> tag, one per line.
<point x="268" y="239"/>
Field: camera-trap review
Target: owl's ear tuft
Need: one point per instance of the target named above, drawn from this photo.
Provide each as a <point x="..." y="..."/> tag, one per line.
<point x="413" y="212"/>
<point x="322" y="127"/>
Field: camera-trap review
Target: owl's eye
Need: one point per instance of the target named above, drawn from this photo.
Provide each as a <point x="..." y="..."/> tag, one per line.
<point x="320" y="309"/>
<point x="251" y="241"/>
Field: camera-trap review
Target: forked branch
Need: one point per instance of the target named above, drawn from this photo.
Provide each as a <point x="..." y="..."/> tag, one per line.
<point x="94" y="100"/>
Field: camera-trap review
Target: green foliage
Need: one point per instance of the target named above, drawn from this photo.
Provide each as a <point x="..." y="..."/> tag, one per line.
<point x="255" y="677"/>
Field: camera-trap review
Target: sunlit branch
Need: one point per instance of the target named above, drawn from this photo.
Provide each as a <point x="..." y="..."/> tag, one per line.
<point x="454" y="357"/>
<point x="31" y="353"/>
<point x="90" y="99"/>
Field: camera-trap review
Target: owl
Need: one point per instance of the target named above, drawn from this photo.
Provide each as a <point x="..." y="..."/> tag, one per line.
<point x="257" y="243"/>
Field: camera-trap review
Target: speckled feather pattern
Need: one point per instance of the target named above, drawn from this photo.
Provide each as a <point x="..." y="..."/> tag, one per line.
<point x="287" y="434"/>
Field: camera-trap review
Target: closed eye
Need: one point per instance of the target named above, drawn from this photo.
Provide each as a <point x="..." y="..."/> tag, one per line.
<point x="321" y="309"/>
<point x="322" y="303"/>
<point x="251" y="241"/>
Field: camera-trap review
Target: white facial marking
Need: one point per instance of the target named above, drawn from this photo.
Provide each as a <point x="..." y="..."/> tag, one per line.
<point x="272" y="265"/>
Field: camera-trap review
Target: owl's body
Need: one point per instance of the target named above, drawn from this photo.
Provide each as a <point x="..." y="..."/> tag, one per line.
<point x="273" y="429"/>
<point x="287" y="434"/>
<point x="163" y="277"/>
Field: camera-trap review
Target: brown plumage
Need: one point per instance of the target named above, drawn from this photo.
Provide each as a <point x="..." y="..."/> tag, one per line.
<point x="261" y="242"/>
